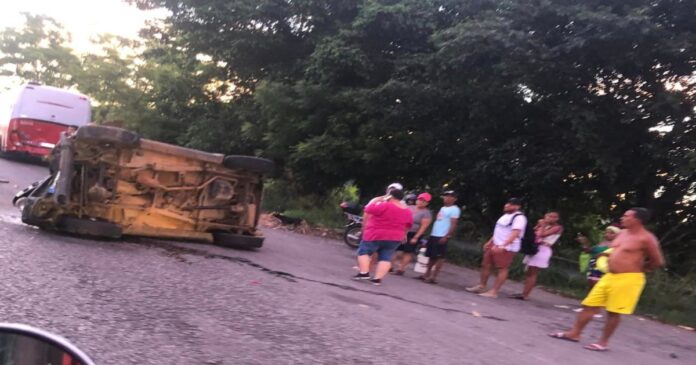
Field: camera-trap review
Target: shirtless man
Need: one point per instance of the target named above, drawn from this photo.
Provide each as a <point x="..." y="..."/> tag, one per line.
<point x="634" y="251"/>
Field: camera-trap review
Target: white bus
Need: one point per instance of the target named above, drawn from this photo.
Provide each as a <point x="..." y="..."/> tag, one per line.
<point x="33" y="116"/>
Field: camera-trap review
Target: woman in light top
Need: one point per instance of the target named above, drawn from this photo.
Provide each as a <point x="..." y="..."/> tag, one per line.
<point x="548" y="230"/>
<point x="422" y="217"/>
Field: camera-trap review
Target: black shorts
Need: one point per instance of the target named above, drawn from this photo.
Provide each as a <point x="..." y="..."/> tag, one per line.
<point x="408" y="247"/>
<point x="435" y="249"/>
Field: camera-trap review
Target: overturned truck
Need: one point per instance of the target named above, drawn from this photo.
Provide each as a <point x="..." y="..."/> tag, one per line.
<point x="108" y="182"/>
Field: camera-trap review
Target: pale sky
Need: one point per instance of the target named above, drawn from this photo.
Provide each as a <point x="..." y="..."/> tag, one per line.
<point x="84" y="19"/>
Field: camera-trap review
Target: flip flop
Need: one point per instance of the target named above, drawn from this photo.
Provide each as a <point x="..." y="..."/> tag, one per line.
<point x="476" y="289"/>
<point x="562" y="336"/>
<point x="517" y="296"/>
<point x="596" y="347"/>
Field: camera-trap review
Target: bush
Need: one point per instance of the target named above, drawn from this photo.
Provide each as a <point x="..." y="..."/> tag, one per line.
<point x="670" y="298"/>
<point x="280" y="196"/>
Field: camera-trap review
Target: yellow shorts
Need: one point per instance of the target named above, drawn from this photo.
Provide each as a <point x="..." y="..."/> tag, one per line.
<point x="618" y="293"/>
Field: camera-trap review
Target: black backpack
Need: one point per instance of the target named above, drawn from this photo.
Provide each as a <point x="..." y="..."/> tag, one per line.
<point x="528" y="244"/>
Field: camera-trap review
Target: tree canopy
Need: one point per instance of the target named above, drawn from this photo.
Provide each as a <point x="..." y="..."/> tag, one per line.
<point x="586" y="107"/>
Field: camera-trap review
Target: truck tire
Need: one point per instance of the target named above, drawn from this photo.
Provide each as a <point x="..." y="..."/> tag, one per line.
<point x="88" y="227"/>
<point x="231" y="240"/>
<point x="111" y="135"/>
<point x="250" y="163"/>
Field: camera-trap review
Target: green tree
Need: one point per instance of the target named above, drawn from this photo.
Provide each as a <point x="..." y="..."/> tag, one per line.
<point x="108" y="76"/>
<point x="588" y="107"/>
<point x="38" y="52"/>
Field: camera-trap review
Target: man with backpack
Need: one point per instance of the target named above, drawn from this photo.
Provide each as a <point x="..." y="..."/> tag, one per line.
<point x="500" y="250"/>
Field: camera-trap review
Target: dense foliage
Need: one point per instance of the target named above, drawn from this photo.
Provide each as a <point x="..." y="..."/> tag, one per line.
<point x="587" y="106"/>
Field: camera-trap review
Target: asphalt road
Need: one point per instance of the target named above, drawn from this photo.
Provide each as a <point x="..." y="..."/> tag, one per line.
<point x="156" y="302"/>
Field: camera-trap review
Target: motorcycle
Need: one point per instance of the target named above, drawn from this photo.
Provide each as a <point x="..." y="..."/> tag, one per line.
<point x="352" y="233"/>
<point x="25" y="345"/>
<point x="20" y="199"/>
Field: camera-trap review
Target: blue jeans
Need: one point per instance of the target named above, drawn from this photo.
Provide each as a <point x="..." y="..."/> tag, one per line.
<point x="385" y="249"/>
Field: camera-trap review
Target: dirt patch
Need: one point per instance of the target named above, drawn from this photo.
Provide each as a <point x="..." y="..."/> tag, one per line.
<point x="269" y="221"/>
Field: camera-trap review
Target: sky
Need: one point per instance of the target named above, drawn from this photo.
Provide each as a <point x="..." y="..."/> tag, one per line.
<point x="84" y="19"/>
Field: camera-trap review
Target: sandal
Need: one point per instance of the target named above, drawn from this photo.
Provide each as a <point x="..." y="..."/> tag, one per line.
<point x="399" y="272"/>
<point x="517" y="296"/>
<point x="477" y="289"/>
<point x="596" y="347"/>
<point x="431" y="281"/>
<point x="562" y="336"/>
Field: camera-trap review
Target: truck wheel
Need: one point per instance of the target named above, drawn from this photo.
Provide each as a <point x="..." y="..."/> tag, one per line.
<point x="249" y="163"/>
<point x="231" y="240"/>
<point x="88" y="227"/>
<point x="104" y="134"/>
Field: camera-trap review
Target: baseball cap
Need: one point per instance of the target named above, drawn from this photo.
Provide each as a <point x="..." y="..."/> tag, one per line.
<point x="515" y="201"/>
<point x="449" y="193"/>
<point x="396" y="186"/>
<point x="425" y="197"/>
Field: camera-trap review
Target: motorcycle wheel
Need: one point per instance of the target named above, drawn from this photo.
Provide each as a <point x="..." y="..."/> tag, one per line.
<point x="352" y="236"/>
<point x="21" y="203"/>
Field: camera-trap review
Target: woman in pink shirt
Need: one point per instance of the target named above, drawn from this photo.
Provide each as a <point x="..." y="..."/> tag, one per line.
<point x="385" y="230"/>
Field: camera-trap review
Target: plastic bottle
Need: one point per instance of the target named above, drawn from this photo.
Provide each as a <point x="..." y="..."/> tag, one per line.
<point x="421" y="262"/>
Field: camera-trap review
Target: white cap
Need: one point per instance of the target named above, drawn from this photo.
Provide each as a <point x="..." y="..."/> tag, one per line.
<point x="396" y="186"/>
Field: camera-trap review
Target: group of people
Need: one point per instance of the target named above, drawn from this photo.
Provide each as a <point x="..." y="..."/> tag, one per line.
<point x="393" y="231"/>
<point x="392" y="225"/>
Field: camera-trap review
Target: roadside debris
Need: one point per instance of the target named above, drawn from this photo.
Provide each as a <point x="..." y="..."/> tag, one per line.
<point x="280" y="221"/>
<point x="287" y="219"/>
